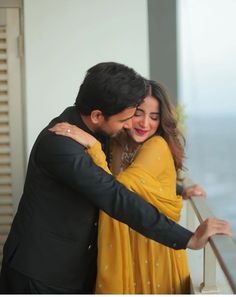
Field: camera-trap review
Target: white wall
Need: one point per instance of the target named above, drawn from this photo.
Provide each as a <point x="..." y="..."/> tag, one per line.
<point x="63" y="38"/>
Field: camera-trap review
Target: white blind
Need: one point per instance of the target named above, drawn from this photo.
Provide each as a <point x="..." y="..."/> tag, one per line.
<point x="6" y="200"/>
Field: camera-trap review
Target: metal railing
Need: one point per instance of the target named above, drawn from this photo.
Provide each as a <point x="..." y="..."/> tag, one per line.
<point x="221" y="248"/>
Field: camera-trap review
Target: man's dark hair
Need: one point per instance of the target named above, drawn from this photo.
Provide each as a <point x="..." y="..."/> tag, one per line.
<point x="110" y="87"/>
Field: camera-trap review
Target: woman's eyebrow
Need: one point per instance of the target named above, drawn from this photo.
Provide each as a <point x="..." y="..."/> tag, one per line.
<point x="153" y="112"/>
<point x="140" y="109"/>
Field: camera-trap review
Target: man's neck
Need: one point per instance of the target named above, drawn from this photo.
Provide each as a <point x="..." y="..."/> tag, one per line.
<point x="94" y="131"/>
<point x="88" y="123"/>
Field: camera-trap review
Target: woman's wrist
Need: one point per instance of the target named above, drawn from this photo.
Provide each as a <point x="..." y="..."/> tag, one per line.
<point x="91" y="143"/>
<point x="94" y="147"/>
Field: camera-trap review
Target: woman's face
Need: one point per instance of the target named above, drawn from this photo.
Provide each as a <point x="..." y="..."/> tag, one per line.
<point x="146" y="120"/>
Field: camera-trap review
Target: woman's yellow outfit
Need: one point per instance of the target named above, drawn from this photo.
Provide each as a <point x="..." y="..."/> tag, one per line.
<point x="129" y="263"/>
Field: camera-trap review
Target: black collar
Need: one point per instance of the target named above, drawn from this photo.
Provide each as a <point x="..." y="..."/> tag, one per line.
<point x="71" y="115"/>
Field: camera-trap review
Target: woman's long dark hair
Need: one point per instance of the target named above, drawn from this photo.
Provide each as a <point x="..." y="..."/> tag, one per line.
<point x="168" y="124"/>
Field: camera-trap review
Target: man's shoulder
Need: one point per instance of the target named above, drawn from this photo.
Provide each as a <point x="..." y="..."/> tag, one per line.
<point x="50" y="143"/>
<point x="70" y="115"/>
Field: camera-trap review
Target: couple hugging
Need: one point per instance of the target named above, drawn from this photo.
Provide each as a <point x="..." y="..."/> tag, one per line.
<point x="99" y="212"/>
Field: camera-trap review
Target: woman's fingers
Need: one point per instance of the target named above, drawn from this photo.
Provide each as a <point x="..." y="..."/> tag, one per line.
<point x="194" y="190"/>
<point x="63" y="129"/>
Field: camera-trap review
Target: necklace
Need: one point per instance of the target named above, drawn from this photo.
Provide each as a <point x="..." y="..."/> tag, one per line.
<point x="128" y="156"/>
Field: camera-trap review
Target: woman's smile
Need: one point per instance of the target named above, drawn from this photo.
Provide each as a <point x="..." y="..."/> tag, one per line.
<point x="140" y="132"/>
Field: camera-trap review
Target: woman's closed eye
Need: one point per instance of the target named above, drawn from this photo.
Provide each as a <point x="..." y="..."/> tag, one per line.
<point x="155" y="116"/>
<point x="138" y="113"/>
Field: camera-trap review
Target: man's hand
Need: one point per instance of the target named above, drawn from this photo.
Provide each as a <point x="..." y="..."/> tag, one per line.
<point x="209" y="227"/>
<point x="194" y="190"/>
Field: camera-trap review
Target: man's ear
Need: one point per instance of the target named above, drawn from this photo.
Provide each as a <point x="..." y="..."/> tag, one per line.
<point x="96" y="116"/>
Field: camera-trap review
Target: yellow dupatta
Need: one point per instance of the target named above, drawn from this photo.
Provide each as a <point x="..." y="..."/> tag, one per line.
<point x="128" y="262"/>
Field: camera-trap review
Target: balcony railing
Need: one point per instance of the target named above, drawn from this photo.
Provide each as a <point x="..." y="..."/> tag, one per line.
<point x="219" y="254"/>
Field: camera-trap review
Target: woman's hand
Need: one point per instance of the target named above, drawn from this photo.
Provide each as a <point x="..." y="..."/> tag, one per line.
<point x="75" y="133"/>
<point x="194" y="190"/>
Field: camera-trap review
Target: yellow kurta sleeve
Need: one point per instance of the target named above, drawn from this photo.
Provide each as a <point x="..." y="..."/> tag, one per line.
<point x="98" y="156"/>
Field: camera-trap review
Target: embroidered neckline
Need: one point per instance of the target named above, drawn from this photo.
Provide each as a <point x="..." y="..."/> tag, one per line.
<point x="128" y="156"/>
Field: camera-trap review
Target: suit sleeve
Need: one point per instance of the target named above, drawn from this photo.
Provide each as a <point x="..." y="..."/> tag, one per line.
<point x="66" y="160"/>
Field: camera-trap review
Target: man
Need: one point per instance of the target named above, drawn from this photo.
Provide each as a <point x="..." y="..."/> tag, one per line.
<point x="52" y="247"/>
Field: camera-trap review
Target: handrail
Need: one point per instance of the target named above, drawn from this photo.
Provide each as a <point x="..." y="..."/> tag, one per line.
<point x="223" y="246"/>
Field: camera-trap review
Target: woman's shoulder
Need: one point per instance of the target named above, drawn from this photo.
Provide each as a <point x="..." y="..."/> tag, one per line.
<point x="155" y="144"/>
<point x="156" y="141"/>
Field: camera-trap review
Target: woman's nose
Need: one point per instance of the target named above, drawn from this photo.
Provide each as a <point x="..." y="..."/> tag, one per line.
<point x="144" y="122"/>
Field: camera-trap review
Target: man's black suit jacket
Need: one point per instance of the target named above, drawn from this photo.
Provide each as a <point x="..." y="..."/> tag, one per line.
<point x="53" y="238"/>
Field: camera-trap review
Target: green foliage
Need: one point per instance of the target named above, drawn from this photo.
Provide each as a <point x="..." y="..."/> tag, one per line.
<point x="181" y="118"/>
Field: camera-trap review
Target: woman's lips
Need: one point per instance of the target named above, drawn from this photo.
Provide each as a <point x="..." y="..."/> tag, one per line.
<point x="141" y="132"/>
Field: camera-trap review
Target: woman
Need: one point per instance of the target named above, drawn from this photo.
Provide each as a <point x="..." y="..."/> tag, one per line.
<point x="148" y="156"/>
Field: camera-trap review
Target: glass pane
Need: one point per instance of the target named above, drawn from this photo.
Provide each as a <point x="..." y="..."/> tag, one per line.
<point x="207" y="52"/>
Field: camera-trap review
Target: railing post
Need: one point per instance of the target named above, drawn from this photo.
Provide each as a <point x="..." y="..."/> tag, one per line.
<point x="191" y="219"/>
<point x="209" y="272"/>
<point x="221" y="248"/>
